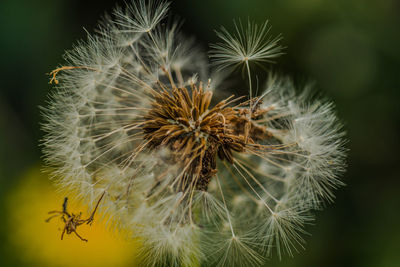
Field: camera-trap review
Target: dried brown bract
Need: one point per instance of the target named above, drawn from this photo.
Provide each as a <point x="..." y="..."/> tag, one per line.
<point x="198" y="134"/>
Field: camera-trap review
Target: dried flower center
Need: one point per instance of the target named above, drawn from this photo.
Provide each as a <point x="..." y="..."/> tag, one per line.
<point x="197" y="134"/>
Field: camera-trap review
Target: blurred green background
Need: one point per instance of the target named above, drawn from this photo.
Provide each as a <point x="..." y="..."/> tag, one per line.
<point x="350" y="48"/>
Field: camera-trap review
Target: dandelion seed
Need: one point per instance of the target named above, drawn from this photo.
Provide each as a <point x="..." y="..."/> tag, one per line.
<point x="250" y="43"/>
<point x="197" y="178"/>
<point x="140" y="17"/>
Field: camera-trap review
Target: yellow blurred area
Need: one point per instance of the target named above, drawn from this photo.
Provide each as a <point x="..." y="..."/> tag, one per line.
<point x="39" y="243"/>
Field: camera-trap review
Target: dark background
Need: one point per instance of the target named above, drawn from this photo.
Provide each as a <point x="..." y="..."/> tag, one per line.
<point x="350" y="48"/>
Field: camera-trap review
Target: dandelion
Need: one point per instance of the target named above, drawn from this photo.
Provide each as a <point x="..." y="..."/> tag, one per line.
<point x="198" y="179"/>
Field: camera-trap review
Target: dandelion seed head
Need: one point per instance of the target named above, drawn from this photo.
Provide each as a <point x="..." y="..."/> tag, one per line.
<point x="199" y="178"/>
